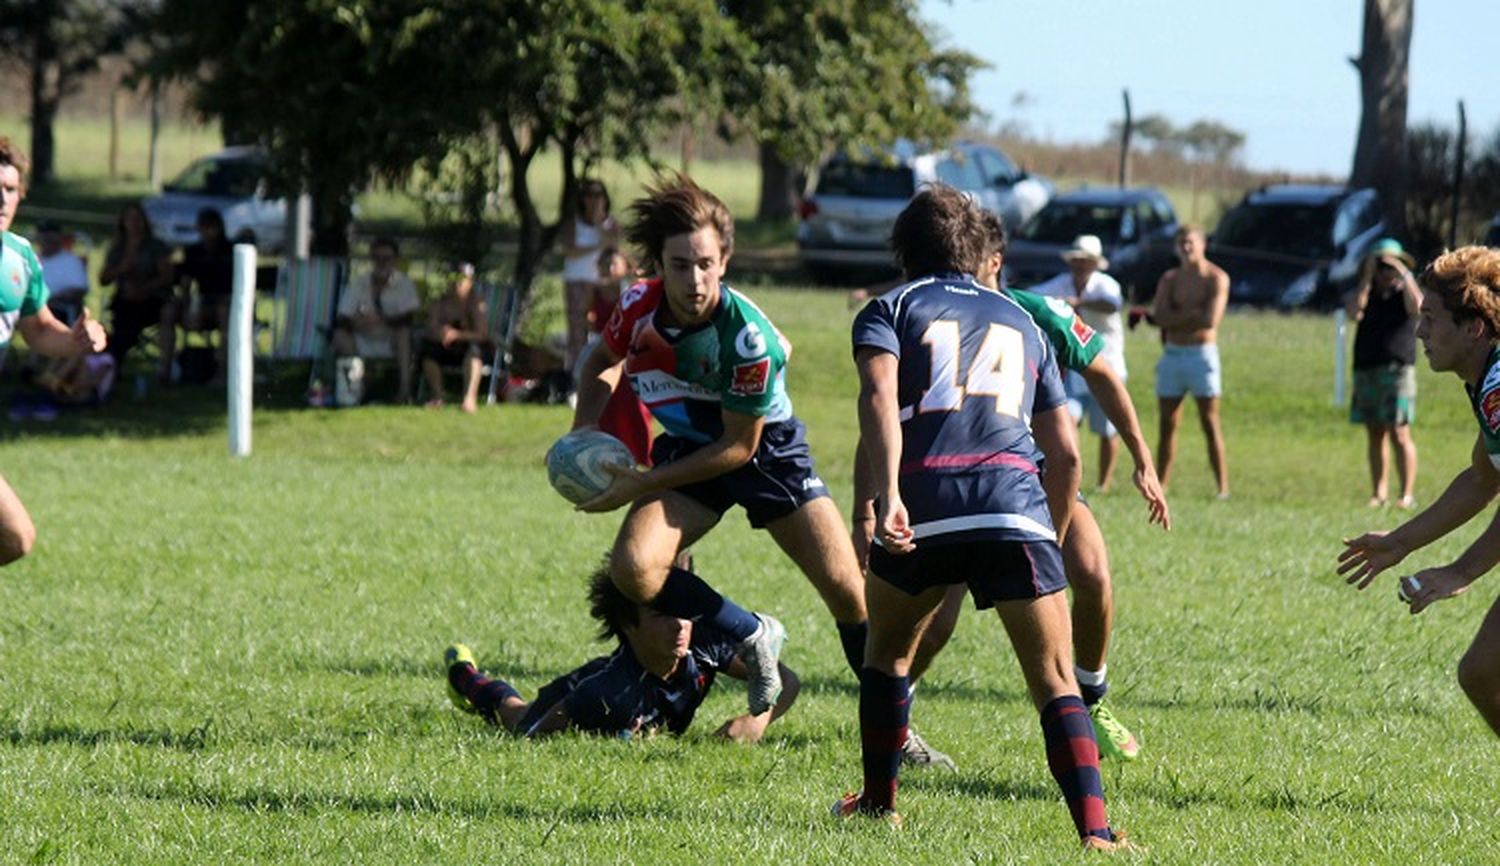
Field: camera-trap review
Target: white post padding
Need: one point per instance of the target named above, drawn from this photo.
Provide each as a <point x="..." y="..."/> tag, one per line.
<point x="238" y="352"/>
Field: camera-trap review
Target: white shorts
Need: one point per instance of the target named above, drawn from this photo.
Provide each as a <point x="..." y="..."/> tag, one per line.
<point x="1189" y="368"/>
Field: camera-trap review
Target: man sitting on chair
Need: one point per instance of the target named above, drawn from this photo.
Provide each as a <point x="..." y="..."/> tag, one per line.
<point x="375" y="315"/>
<point x="457" y="335"/>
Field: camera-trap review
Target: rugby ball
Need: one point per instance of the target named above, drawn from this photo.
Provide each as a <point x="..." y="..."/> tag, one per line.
<point x="575" y="463"/>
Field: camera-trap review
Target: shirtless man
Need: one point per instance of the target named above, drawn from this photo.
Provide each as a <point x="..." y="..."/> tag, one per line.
<point x="1189" y="305"/>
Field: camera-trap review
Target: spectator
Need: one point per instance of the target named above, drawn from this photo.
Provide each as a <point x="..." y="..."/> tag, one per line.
<point x="140" y="268"/>
<point x="1098" y="299"/>
<point x="375" y="315"/>
<point x="65" y="272"/>
<point x="1385" y="357"/>
<point x="591" y="230"/>
<point x="208" y="264"/>
<point x="457" y="335"/>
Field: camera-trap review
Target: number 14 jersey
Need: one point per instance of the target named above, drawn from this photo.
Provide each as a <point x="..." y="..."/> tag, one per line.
<point x="973" y="369"/>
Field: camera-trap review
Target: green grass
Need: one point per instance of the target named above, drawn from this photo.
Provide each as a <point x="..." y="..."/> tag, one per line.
<point x="212" y="660"/>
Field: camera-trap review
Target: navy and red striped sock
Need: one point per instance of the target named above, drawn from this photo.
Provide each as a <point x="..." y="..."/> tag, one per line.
<point x="687" y="596"/>
<point x="852" y="638"/>
<point x="884" y="709"/>
<point x="1073" y="757"/>
<point x="484" y="694"/>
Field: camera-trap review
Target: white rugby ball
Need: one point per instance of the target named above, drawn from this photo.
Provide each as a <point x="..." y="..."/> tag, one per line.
<point x="575" y="463"/>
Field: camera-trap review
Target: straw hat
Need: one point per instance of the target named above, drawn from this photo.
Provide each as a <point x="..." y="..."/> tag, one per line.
<point x="1087" y="247"/>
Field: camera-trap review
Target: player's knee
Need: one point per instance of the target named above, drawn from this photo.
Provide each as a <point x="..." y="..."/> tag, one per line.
<point x="16" y="542"/>
<point x="1091" y="577"/>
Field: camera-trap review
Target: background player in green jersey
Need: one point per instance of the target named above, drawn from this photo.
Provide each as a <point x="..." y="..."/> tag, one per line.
<point x="1459" y="326"/>
<point x="23" y="308"/>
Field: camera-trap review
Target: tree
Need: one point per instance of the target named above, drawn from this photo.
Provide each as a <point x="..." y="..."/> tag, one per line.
<point x="1432" y="151"/>
<point x="1212" y="141"/>
<point x="59" y="42"/>
<point x="338" y="94"/>
<point x="1380" y="150"/>
<point x="838" y="75"/>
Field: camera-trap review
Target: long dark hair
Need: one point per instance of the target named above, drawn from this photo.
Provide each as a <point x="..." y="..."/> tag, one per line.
<point x="120" y="221"/>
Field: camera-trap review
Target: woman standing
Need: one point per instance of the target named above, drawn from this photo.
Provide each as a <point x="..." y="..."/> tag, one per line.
<point x="1385" y="355"/>
<point x="591" y="230"/>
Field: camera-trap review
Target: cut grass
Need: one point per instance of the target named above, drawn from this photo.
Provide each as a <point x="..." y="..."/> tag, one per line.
<point x="212" y="660"/>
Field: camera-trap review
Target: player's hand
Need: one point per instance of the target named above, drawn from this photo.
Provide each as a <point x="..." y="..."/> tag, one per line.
<point x="863" y="534"/>
<point x="746" y="728"/>
<point x="893" y="526"/>
<point x="1149" y="485"/>
<point x="628" y="486"/>
<point x="1433" y="584"/>
<point x="1367" y="556"/>
<point x="88" y="334"/>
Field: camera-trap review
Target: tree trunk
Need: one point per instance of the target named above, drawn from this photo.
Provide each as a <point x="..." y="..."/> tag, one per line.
<point x="779" y="187"/>
<point x="46" y="93"/>
<point x="1380" y="150"/>
<point x="330" y="222"/>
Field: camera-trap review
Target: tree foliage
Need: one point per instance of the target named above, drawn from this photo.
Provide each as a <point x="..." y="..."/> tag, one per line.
<point x="57" y="43"/>
<point x="1432" y="153"/>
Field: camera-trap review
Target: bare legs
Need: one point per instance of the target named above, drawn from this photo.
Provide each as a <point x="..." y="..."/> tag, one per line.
<point x="1208" y="419"/>
<point x="1406" y="460"/>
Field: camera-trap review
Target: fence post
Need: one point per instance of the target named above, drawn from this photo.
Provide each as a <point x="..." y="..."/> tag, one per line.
<point x="238" y="352"/>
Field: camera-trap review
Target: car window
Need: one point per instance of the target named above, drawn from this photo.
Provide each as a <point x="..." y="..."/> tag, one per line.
<point x="866" y="180"/>
<point x="230" y="178"/>
<point x="959" y="172"/>
<point x="1146" y="217"/>
<point x="996" y="169"/>
<point x="1304" y="230"/>
<point x="1061" y="221"/>
<point x="1164" y="212"/>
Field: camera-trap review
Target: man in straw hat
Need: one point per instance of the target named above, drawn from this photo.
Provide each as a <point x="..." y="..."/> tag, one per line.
<point x="1098" y="299"/>
<point x="1385" y="357"/>
<point x="1190" y="302"/>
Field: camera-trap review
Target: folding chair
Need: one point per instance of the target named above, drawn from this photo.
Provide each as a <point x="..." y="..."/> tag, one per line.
<point x="307" y="297"/>
<point x="504" y="311"/>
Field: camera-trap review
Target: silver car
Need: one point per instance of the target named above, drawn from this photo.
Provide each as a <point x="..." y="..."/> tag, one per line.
<point x="846" y="221"/>
<point x="231" y="181"/>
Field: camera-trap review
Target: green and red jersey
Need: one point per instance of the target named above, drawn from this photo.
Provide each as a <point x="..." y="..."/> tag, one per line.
<point x="687" y="377"/>
<point x="1076" y="344"/>
<point x="1486" y="402"/>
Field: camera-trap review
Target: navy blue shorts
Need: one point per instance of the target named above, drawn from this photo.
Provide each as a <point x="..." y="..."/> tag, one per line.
<point x="994" y="570"/>
<point x="777" y="481"/>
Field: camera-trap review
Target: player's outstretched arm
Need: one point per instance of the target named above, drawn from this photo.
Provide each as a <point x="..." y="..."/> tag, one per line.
<point x="1363" y="558"/>
<point x="596" y="383"/>
<point x="46" y="334"/>
<point x="1115" y="401"/>
<point x="1056" y="435"/>
<point x="730" y="451"/>
<point x="554" y="721"/>
<point x="748" y="728"/>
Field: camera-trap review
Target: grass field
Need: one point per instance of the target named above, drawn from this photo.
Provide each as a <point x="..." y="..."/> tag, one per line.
<point x="209" y="660"/>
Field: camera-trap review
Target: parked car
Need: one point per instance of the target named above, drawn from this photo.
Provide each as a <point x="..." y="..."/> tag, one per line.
<point x="1135" y="226"/>
<point x="1018" y="193"/>
<point x="233" y="181"/>
<point x="1292" y="246"/>
<point x="846" y="221"/>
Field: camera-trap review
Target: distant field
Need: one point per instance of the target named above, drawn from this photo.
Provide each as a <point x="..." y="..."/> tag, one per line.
<point x="87" y="194"/>
<point x="215" y="661"/>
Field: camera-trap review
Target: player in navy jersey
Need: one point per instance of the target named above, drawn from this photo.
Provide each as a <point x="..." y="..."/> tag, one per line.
<point x="968" y="465"/>
<point x="655" y="679"/>
<point x="1078" y="348"/>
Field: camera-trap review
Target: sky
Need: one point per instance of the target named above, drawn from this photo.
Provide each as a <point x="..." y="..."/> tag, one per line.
<point x="1277" y="70"/>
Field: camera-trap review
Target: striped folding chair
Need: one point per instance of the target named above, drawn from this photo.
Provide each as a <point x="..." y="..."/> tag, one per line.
<point x="307" y="295"/>
<point x="504" y="309"/>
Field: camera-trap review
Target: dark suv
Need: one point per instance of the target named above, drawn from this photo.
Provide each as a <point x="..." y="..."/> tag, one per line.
<point x="1134" y="225"/>
<point x="1295" y="246"/>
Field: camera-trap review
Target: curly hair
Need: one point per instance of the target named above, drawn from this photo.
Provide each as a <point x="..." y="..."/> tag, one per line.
<point x="676" y="205"/>
<point x="12" y="154"/>
<point x="994" y="234"/>
<point x="1468" y="282"/>
<point x="610" y="607"/>
<point x="941" y="230"/>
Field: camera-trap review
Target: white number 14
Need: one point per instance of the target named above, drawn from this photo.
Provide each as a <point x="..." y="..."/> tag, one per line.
<point x="996" y="371"/>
